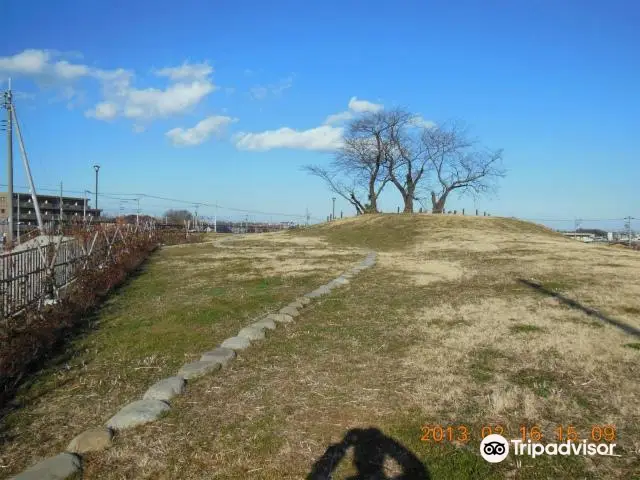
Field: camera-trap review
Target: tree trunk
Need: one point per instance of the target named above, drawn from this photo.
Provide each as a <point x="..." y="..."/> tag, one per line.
<point x="373" y="204"/>
<point x="360" y="209"/>
<point x="408" y="204"/>
<point x="408" y="197"/>
<point x="373" y="196"/>
<point x="439" y="203"/>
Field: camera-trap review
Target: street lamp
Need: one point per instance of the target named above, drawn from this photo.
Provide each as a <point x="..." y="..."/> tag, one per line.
<point x="96" y="168"/>
<point x="333" y="214"/>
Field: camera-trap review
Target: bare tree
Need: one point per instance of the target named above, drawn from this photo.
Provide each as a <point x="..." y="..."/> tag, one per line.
<point x="459" y="163"/>
<point x="350" y="191"/>
<point x="405" y="160"/>
<point x="177" y="216"/>
<point x="359" y="168"/>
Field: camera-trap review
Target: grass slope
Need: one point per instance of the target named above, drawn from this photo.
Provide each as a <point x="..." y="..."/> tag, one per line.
<point x="464" y="321"/>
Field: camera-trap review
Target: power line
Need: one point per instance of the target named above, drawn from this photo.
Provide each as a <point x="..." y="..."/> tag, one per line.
<point x="118" y="196"/>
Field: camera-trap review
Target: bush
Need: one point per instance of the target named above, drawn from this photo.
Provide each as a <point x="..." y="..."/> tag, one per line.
<point x="29" y="339"/>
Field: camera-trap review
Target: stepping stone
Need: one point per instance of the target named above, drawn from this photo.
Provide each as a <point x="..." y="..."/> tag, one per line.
<point x="165" y="389"/>
<point x="303" y="300"/>
<point x="297" y="304"/>
<point x="290" y="311"/>
<point x="318" y="292"/>
<point x="220" y="355"/>
<point x="340" y="281"/>
<point x="93" y="440"/>
<point x="280" y="317"/>
<point x="251" y="333"/>
<point x="265" y="323"/>
<point x="137" y="413"/>
<point x="198" y="369"/>
<point x="236" y="343"/>
<point x="60" y="467"/>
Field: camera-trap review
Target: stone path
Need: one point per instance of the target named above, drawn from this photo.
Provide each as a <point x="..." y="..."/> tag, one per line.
<point x="156" y="400"/>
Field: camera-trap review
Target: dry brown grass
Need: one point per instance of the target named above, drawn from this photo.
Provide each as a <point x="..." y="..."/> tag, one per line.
<point x="190" y="298"/>
<point x="441" y="331"/>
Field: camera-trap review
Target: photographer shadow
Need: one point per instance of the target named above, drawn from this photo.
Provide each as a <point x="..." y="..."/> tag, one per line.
<point x="371" y="448"/>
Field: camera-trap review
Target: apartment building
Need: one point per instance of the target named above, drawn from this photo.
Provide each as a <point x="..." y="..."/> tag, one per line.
<point x="25" y="213"/>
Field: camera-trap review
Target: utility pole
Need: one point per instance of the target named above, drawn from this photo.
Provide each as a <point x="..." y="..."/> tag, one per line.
<point x="215" y="219"/>
<point x="96" y="168"/>
<point x="138" y="211"/>
<point x="195" y="216"/>
<point x="333" y="211"/>
<point x="627" y="225"/>
<point x="84" y="213"/>
<point x="577" y="224"/>
<point x="18" y="214"/>
<point x="61" y="205"/>
<point x="27" y="169"/>
<point x="8" y="105"/>
<point x="308" y="216"/>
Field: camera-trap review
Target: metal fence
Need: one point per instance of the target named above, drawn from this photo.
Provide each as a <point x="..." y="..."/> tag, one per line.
<point x="37" y="274"/>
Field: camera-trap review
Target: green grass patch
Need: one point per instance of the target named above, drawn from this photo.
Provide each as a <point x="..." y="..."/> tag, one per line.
<point x="485" y="362"/>
<point x="526" y="328"/>
<point x="170" y="314"/>
<point x="383" y="232"/>
<point x="631" y="310"/>
<point x="541" y="382"/>
<point x="558" y="285"/>
<point x="392" y="232"/>
<point x="633" y="345"/>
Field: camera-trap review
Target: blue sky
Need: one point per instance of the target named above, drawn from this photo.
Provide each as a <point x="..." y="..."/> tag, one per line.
<point x="174" y="100"/>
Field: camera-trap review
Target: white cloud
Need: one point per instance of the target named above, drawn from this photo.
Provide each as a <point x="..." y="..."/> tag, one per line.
<point x="19" y="95"/>
<point x="282" y="85"/>
<point x="362" y="106"/>
<point x="260" y="92"/>
<point x="200" y="132"/>
<point x="326" y="137"/>
<point x="323" y="138"/>
<point x="155" y="103"/>
<point x="189" y="84"/>
<point x="338" y="118"/>
<point x="70" y="71"/>
<point x="103" y="111"/>
<point x="355" y="106"/>
<point x="186" y="71"/>
<point x="114" y="82"/>
<point x="40" y="65"/>
<point x="28" y="62"/>
<point x="418" y="121"/>
<point x="152" y="103"/>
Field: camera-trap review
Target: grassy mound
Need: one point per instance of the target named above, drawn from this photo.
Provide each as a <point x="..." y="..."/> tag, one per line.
<point x="389" y="232"/>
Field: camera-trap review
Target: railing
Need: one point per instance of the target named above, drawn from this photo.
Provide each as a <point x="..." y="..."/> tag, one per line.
<point x="40" y="273"/>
